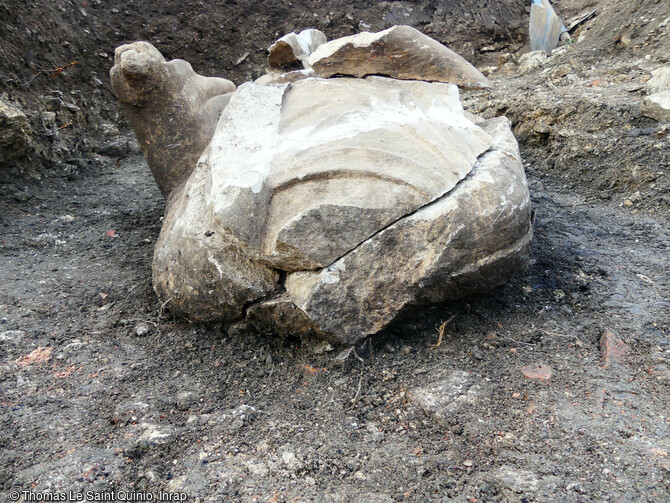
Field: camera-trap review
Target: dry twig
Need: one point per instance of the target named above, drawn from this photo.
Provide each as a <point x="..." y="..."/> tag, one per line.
<point x="360" y="379"/>
<point x="57" y="71"/>
<point x="161" y="309"/>
<point x="440" y="331"/>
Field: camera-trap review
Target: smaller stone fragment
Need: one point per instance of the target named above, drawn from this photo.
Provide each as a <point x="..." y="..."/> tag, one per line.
<point x="374" y="498"/>
<point x="345" y="358"/>
<point x="294" y="48"/>
<point x="279" y="77"/>
<point x="12" y="336"/>
<point x="657" y="106"/>
<point x="519" y="481"/>
<point x="153" y="435"/>
<point x="142" y="329"/>
<point x="37" y="356"/>
<point x="294" y="321"/>
<point x="531" y="61"/>
<point x="401" y="52"/>
<point x="14" y="130"/>
<point x="660" y="80"/>
<point x="291" y="462"/>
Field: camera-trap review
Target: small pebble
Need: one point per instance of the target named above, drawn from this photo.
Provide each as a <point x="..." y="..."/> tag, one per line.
<point x="142" y="329"/>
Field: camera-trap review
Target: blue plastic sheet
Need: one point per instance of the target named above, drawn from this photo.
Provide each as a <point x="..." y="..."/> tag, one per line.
<point x="545" y="26"/>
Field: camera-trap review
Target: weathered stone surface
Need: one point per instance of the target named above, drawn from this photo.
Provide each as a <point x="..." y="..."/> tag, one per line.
<point x="294" y="48"/>
<point x="401" y="52"/>
<point x="657" y="106"/>
<point x="291" y="160"/>
<point x="200" y="269"/>
<point x="172" y="109"/>
<point x="14" y="130"/>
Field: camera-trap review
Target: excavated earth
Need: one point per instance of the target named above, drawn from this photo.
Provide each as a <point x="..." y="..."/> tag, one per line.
<point x="106" y="394"/>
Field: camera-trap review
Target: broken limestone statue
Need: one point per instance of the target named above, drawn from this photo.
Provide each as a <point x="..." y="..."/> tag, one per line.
<point x="323" y="206"/>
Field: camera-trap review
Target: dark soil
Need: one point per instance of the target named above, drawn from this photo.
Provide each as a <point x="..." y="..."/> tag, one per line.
<point x="55" y="55"/>
<point x="87" y="404"/>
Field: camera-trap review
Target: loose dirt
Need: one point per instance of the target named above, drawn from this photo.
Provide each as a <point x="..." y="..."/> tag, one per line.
<point x="104" y="391"/>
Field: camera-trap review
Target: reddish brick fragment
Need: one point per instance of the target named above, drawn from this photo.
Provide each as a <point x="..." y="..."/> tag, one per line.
<point x="39" y="355"/>
<point x="612" y="349"/>
<point x="539" y="372"/>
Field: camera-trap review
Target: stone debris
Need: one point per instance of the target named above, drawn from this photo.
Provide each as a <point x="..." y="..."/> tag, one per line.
<point x="291" y="462"/>
<point x="295" y="48"/>
<point x="660" y="80"/>
<point x="37" y="356"/>
<point x="14" y="131"/>
<point x="444" y="399"/>
<point x="153" y="435"/>
<point x="128" y="412"/>
<point x="142" y="329"/>
<point x="278" y="77"/>
<point x="518" y="481"/>
<point x="657" y="106"/>
<point x="400" y="52"/>
<point x="531" y="61"/>
<point x="373" y="498"/>
<point x="308" y="194"/>
<point x="345" y="359"/>
<point x="257" y="468"/>
<point x="14" y="336"/>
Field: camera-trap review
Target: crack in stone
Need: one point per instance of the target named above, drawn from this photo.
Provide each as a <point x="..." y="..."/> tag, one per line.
<point x="278" y="290"/>
<point x="428" y="204"/>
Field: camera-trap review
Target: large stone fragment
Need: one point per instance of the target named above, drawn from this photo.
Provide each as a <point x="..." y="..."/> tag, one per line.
<point x="172" y="109"/>
<point x="401" y="52"/>
<point x="294" y="48"/>
<point x="657" y="106"/>
<point x="372" y="194"/>
<point x="470" y="240"/>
